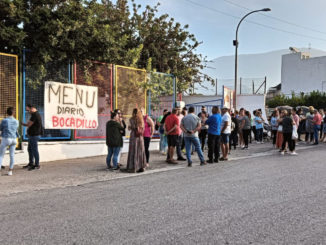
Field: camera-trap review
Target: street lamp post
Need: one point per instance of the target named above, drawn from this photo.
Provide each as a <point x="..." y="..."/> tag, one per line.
<point x="236" y="43"/>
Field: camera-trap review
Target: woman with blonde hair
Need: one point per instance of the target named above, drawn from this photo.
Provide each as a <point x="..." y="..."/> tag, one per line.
<point x="136" y="155"/>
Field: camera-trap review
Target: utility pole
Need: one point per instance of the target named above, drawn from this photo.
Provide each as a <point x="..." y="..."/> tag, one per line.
<point x="236" y="44"/>
<point x="216" y="86"/>
<point x="240" y="85"/>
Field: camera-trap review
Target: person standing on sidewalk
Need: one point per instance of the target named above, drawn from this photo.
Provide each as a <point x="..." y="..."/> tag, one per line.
<point x="274" y="125"/>
<point x="203" y="130"/>
<point x="190" y="126"/>
<point x="259" y="127"/>
<point x="214" y="133"/>
<point x="9" y="133"/>
<point x="309" y="125"/>
<point x="114" y="140"/>
<point x="317" y="122"/>
<point x="234" y="132"/>
<point x="324" y="129"/>
<point x="172" y="130"/>
<point x="253" y="125"/>
<point x="203" y="109"/>
<point x="136" y="156"/>
<point x="225" y="133"/>
<point x="180" y="138"/>
<point x="148" y="134"/>
<point x="241" y="124"/>
<point x="123" y="124"/>
<point x="34" y="132"/>
<point x="246" y="129"/>
<point x="296" y="121"/>
<point x="159" y="123"/>
<point x="287" y="123"/>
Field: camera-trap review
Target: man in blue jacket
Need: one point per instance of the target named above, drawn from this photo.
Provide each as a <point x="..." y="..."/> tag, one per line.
<point x="214" y="133"/>
<point x="8" y="128"/>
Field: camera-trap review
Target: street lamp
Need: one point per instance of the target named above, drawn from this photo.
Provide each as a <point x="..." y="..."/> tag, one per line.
<point x="236" y="43"/>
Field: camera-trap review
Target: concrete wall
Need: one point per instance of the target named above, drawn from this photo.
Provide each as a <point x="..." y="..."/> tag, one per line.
<point x="53" y="151"/>
<point x="301" y="74"/>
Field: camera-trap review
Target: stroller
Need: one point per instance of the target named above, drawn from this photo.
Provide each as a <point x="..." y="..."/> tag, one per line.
<point x="267" y="132"/>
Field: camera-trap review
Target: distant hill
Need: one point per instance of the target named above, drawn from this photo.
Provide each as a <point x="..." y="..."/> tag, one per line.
<point x="250" y="67"/>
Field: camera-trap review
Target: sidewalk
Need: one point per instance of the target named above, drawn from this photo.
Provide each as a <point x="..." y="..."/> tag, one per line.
<point x="76" y="172"/>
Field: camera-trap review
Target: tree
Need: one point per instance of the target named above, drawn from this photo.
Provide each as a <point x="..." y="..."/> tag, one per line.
<point x="59" y="31"/>
<point x="11" y="33"/>
<point x="168" y="46"/>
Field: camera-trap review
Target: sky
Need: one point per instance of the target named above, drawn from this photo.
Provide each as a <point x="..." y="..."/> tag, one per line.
<point x="302" y="24"/>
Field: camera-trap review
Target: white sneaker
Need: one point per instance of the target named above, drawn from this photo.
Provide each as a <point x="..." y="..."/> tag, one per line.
<point x="10" y="173"/>
<point x="282" y="152"/>
<point x="293" y="153"/>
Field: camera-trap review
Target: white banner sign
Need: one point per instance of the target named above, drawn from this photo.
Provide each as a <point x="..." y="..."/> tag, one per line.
<point x="70" y="106"/>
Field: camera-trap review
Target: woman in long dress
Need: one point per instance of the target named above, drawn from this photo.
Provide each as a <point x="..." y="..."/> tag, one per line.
<point x="136" y="155"/>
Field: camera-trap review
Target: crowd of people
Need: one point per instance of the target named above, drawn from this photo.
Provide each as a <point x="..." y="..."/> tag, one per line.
<point x="183" y="132"/>
<point x="219" y="131"/>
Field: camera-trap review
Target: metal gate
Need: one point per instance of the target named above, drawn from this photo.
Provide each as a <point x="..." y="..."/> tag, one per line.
<point x="33" y="91"/>
<point x="99" y="75"/>
<point x="8" y="84"/>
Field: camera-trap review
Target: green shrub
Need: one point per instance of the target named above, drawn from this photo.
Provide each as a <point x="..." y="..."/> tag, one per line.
<point x="316" y="99"/>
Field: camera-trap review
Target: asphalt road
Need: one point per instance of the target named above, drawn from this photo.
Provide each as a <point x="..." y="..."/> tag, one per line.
<point x="265" y="200"/>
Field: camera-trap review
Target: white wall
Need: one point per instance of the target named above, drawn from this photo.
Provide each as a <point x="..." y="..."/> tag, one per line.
<point x="252" y="102"/>
<point x="303" y="75"/>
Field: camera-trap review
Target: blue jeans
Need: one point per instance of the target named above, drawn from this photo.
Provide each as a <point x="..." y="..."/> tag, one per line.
<point x="189" y="141"/>
<point x="113" y="151"/>
<point x="163" y="143"/>
<point x="33" y="150"/>
<point x="259" y="133"/>
<point x="5" y="142"/>
<point x="316" y="132"/>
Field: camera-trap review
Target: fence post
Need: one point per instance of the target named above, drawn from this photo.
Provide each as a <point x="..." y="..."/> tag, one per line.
<point x="174" y="91"/>
<point x="23" y="90"/>
<point x="240" y="85"/>
<point x="222" y="97"/>
<point x="114" y="88"/>
<point x="149" y="103"/>
<point x="216" y="86"/>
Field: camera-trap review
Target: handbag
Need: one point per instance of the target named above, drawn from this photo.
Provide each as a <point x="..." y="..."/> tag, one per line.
<point x="294" y="133"/>
<point x="280" y="128"/>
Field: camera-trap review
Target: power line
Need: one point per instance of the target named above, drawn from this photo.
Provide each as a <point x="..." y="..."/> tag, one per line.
<point x="276" y="18"/>
<point x="256" y="23"/>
